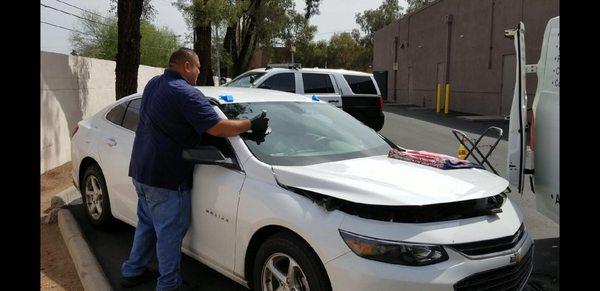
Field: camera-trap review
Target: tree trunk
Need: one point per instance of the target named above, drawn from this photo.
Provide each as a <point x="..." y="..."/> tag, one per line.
<point x="247" y="43"/>
<point x="249" y="38"/>
<point x="128" y="47"/>
<point x="231" y="48"/>
<point x="202" y="47"/>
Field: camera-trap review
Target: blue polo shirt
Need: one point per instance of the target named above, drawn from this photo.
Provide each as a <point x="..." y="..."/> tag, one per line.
<point x="173" y="115"/>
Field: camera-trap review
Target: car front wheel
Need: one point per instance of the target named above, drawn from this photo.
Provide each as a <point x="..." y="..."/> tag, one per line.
<point x="285" y="262"/>
<point x="95" y="198"/>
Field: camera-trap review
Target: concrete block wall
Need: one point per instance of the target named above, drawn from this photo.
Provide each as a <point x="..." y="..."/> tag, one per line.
<point x="73" y="88"/>
<point x="471" y="52"/>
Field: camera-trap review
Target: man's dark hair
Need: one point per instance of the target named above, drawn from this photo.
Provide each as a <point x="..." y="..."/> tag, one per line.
<point x="181" y="56"/>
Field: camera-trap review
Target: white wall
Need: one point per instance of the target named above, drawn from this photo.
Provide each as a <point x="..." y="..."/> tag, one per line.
<point x="73" y="88"/>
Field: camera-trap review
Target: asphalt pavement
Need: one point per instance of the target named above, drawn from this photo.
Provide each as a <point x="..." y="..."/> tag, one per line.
<point x="112" y="248"/>
<point x="414" y="129"/>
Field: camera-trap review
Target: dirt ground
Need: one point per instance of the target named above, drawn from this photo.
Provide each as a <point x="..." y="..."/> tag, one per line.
<point x="57" y="271"/>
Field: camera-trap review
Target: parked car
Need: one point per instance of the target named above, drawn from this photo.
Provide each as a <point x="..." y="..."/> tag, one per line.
<point x="355" y="92"/>
<point x="316" y="204"/>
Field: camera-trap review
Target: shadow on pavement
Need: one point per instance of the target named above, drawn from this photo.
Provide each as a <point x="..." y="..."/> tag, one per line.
<point x="545" y="275"/>
<point x="111" y="249"/>
<point x="450" y="120"/>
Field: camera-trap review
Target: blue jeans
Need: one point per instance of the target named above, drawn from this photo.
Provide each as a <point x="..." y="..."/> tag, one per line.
<point x="163" y="219"/>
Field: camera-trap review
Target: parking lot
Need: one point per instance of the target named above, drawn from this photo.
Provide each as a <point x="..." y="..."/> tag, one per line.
<point x="412" y="128"/>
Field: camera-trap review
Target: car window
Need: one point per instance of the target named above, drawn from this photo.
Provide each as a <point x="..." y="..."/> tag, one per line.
<point x="317" y="83"/>
<point x="282" y="82"/>
<point x="132" y="115"/>
<point x="304" y="133"/>
<point x="220" y="143"/>
<point x="361" y="84"/>
<point x="116" y="114"/>
<point x="245" y="80"/>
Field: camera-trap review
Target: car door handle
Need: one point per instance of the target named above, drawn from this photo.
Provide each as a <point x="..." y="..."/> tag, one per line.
<point x="333" y="101"/>
<point x="111" y="142"/>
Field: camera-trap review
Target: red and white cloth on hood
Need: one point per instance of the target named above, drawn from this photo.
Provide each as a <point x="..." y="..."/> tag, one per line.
<point x="439" y="161"/>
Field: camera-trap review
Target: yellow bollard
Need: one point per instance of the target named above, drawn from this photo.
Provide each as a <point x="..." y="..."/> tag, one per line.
<point x="447" y="99"/>
<point x="438" y="98"/>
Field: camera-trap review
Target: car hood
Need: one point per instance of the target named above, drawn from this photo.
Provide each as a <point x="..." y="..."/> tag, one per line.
<point x="380" y="180"/>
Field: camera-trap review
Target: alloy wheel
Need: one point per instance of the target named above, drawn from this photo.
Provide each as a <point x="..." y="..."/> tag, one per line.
<point x="93" y="197"/>
<point x="282" y="273"/>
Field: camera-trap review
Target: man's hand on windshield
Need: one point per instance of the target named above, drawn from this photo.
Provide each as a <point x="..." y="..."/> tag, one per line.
<point x="256" y="137"/>
<point x="259" y="123"/>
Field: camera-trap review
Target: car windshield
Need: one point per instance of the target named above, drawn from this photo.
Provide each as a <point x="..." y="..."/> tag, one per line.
<point x="304" y="133"/>
<point x="245" y="80"/>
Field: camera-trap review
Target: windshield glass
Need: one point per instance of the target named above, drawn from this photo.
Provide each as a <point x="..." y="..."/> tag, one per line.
<point x="245" y="80"/>
<point x="304" y="133"/>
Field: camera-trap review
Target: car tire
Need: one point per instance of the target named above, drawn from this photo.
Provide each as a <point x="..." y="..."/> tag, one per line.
<point x="377" y="124"/>
<point x="282" y="249"/>
<point x="95" y="198"/>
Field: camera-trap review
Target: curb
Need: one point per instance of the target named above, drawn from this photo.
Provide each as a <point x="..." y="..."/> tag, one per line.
<point x="90" y="273"/>
<point x="69" y="196"/>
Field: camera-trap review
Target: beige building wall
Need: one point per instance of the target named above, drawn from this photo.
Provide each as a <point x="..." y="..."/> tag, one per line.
<point x="73" y="88"/>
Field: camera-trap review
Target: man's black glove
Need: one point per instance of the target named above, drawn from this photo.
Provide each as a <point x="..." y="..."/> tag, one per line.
<point x="259" y="123"/>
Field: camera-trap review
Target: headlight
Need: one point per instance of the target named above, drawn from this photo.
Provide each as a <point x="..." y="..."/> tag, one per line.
<point x="394" y="252"/>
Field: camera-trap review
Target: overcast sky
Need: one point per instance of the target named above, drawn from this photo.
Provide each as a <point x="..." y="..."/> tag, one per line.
<point x="335" y="16"/>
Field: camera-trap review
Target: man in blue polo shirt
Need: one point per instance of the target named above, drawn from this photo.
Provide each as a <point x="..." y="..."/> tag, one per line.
<point x="173" y="115"/>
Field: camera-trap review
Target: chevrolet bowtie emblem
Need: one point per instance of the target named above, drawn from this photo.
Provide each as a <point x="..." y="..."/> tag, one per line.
<point x="517" y="257"/>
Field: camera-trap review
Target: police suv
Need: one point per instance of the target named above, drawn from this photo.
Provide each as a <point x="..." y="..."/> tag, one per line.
<point x="355" y="92"/>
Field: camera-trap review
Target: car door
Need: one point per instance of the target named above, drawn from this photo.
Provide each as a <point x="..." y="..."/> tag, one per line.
<point x="116" y="144"/>
<point x="322" y="86"/>
<point x="215" y="196"/>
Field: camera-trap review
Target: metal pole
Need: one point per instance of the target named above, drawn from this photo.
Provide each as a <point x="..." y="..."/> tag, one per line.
<point x="438" y="98"/>
<point x="446" y="107"/>
<point x="218" y="49"/>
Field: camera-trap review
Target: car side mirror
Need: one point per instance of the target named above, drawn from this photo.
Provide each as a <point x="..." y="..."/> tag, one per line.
<point x="208" y="155"/>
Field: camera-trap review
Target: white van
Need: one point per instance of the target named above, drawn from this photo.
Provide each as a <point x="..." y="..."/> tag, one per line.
<point x="543" y="128"/>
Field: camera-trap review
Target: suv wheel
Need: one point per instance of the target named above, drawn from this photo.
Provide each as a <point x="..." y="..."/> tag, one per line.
<point x="285" y="262"/>
<point x="95" y="198"/>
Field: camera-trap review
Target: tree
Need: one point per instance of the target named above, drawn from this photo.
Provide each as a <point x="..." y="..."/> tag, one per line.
<point x="129" y="13"/>
<point x="312" y="8"/>
<point x="313" y="54"/>
<point x="248" y="24"/>
<point x="99" y="40"/>
<point x="373" y="20"/>
<point x="261" y="23"/>
<point x="345" y="52"/>
<point x="414" y="5"/>
<point x="201" y="16"/>
<point x="297" y="29"/>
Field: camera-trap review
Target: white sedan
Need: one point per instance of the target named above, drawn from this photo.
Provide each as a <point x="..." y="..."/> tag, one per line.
<point x="316" y="204"/>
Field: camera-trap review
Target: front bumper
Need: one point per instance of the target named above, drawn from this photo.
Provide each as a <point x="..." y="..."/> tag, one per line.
<point x="351" y="272"/>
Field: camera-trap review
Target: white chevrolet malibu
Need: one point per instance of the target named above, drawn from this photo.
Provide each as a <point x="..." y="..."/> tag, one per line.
<point x="316" y="204"/>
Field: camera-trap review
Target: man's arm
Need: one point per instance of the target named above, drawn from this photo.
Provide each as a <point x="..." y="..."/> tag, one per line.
<point x="227" y="128"/>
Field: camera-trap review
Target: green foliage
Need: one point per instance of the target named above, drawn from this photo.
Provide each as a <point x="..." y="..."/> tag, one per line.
<point x="416" y="4"/>
<point x="207" y="12"/>
<point x="100" y="41"/>
<point x="312" y="8"/>
<point x="373" y="20"/>
<point x="312" y="54"/>
<point x="148" y="10"/>
<point x="296" y="30"/>
<point x="273" y="18"/>
<point x="345" y="52"/>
